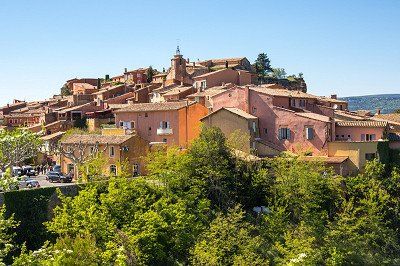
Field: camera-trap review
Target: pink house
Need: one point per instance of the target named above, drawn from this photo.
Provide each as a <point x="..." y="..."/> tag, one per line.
<point x="220" y="77"/>
<point x="367" y="130"/>
<point x="283" y="117"/>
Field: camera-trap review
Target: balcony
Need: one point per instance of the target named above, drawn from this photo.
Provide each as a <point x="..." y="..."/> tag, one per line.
<point x="164" y="131"/>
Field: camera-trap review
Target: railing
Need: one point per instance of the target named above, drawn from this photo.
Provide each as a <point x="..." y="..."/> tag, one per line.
<point x="164" y="131"/>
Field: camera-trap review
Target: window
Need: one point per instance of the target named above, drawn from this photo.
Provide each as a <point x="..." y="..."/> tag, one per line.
<point x="132" y="124"/>
<point x="203" y="84"/>
<point x="265" y="130"/>
<point x="113" y="170"/>
<point x="165" y="124"/>
<point x="254" y="127"/>
<point x="368" y="137"/>
<point x="121" y="123"/>
<point x="146" y="115"/>
<point x="135" y="169"/>
<point x="293" y="102"/>
<point x="254" y="110"/>
<point x="112" y="151"/>
<point x="164" y="140"/>
<point x="91" y="150"/>
<point x="302" y="103"/>
<point x="309" y="132"/>
<point x="284" y="133"/>
<point x="369" y="156"/>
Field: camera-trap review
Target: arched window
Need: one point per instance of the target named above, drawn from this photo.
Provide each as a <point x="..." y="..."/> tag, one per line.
<point x="113" y="170"/>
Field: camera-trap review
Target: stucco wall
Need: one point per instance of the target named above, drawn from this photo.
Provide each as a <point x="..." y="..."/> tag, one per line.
<point x="229" y="122"/>
<point x="354" y="150"/>
<point x="355" y="132"/>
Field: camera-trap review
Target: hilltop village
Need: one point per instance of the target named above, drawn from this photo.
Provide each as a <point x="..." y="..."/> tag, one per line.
<point x="129" y="114"/>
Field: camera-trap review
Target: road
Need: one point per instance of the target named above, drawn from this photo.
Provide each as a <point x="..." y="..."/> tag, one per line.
<point x="44" y="183"/>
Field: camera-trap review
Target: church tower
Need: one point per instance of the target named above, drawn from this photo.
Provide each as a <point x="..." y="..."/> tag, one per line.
<point x="178" y="67"/>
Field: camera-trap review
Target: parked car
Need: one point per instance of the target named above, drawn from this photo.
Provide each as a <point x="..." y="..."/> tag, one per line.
<point x="16" y="171"/>
<point x="28" y="183"/>
<point x="58" y="177"/>
<point x="57" y="168"/>
<point x="28" y="170"/>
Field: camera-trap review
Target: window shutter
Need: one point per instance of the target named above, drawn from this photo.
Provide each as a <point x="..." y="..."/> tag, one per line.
<point x="167" y="125"/>
<point x="280" y="133"/>
<point x="373" y="137"/>
<point x="161" y="124"/>
<point x="288" y="133"/>
<point x="362" y="137"/>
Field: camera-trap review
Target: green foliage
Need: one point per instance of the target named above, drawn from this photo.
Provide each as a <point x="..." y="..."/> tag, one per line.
<point x="30" y="208"/>
<point x="150" y="72"/>
<point x="7" y="228"/>
<point x="279" y="73"/>
<point x="93" y="169"/>
<point x="17" y="146"/>
<point x="262" y="65"/>
<point x="81" y="123"/>
<point x="65" y="91"/>
<point x="229" y="241"/>
<point x="7" y="182"/>
<point x="206" y="206"/>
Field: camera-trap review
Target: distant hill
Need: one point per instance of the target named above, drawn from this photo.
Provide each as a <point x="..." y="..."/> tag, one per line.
<point x="386" y="102"/>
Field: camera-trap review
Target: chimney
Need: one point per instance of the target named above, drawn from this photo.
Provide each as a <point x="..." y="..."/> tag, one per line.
<point x="188" y="61"/>
<point x="193" y="64"/>
<point x="378" y="111"/>
<point x="334" y="96"/>
<point x="125" y="70"/>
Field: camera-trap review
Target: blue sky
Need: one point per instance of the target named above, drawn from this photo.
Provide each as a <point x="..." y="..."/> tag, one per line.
<point x="343" y="47"/>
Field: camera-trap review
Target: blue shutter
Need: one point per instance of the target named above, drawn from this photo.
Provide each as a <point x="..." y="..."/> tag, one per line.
<point x="362" y="137"/>
<point x="373" y="137"/>
<point x="280" y="133"/>
<point x="288" y="133"/>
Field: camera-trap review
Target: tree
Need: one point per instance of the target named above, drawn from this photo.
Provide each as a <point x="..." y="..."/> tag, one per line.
<point x="262" y="65"/>
<point x="17" y="146"/>
<point x="8" y="182"/>
<point x="229" y="241"/>
<point x="150" y="73"/>
<point x="7" y="226"/>
<point x="65" y="91"/>
<point x="397" y="111"/>
<point x="279" y="73"/>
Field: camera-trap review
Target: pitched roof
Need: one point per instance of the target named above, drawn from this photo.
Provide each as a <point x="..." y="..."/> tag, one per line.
<point x="366" y="123"/>
<point x="148" y="107"/>
<point x="240" y="112"/>
<point x="233" y="110"/>
<point x="282" y="92"/>
<point x="389" y="117"/>
<point x="95" y="138"/>
<point x="314" y="116"/>
<point x="331" y="100"/>
<point x="53" y="136"/>
<point x="178" y="90"/>
<point x="223" y="60"/>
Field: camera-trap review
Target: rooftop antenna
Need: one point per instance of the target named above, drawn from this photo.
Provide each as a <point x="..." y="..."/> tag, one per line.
<point x="178" y="51"/>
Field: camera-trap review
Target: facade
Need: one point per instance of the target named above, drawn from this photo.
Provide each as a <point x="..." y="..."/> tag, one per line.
<point x="174" y="123"/>
<point x="221" y="77"/>
<point x="233" y="120"/>
<point x="129" y="148"/>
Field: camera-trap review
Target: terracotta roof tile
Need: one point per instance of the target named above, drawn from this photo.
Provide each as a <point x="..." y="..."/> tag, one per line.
<point x="148" y="107"/>
<point x="94" y="138"/>
<point x="366" y="123"/>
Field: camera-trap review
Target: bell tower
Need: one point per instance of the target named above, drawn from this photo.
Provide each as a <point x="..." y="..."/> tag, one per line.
<point x="178" y="67"/>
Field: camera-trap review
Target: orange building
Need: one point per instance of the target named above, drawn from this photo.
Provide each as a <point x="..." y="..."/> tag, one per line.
<point x="175" y="123"/>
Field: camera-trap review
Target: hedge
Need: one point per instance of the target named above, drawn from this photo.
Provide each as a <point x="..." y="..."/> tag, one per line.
<point x="30" y="209"/>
